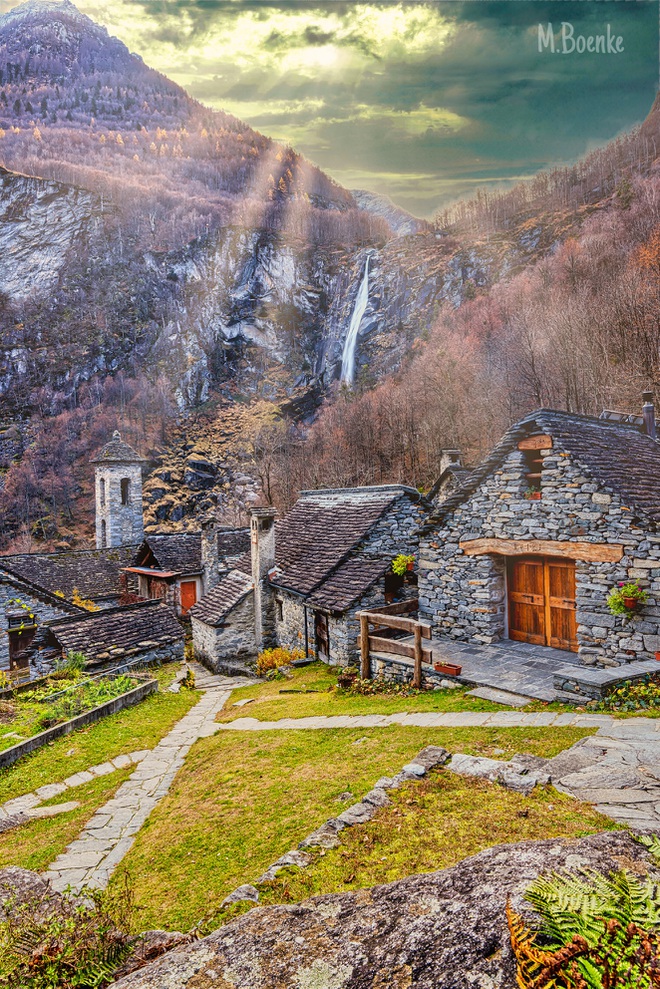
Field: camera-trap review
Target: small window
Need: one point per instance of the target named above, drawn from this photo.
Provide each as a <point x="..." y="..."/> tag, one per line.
<point x="125" y="491"/>
<point x="533" y="463"/>
<point x="102" y="491"/>
<point x="279" y="612"/>
<point x="104" y="540"/>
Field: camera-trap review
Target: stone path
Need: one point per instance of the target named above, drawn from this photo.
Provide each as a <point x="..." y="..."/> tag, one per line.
<point x="433" y="719"/>
<point x="91" y="859"/>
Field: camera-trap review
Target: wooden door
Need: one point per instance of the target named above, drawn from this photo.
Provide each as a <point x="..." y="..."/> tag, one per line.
<point x="322" y="636"/>
<point x="188" y="595"/>
<point x="541" y="593"/>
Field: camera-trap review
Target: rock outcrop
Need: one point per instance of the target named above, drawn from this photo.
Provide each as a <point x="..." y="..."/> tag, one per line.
<point x="443" y="930"/>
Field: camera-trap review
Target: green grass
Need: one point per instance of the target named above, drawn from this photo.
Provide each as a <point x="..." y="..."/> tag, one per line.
<point x="38" y="843"/>
<point x="134" y="728"/>
<point x="271" y="705"/>
<point x="433" y="825"/>
<point x="242" y="799"/>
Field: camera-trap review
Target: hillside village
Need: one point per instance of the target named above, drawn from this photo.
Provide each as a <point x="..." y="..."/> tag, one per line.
<point x="329" y="535"/>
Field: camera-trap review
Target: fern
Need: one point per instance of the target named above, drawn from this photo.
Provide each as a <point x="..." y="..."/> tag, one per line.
<point x="596" y="932"/>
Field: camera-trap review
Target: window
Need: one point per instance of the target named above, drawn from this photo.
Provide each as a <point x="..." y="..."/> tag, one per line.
<point x="102" y="491"/>
<point x="104" y="541"/>
<point x="279" y="613"/>
<point x="125" y="491"/>
<point x="532" y="464"/>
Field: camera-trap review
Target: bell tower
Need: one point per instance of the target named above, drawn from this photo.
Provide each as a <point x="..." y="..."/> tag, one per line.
<point x="118" y="494"/>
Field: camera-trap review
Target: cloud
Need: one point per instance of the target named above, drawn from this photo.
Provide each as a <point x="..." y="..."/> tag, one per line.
<point x="456" y="92"/>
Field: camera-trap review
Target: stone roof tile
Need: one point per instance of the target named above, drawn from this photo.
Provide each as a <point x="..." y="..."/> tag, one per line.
<point x="94" y="573"/>
<point x="217" y="604"/>
<point x="616" y="455"/>
<point x="106" y="632"/>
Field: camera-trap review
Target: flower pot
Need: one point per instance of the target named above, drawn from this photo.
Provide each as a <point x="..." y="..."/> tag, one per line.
<point x="657" y="657"/>
<point x="410" y="566"/>
<point x="534" y="496"/>
<point x="631" y="603"/>
<point x="449" y="669"/>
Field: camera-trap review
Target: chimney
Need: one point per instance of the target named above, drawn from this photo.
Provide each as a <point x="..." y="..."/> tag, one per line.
<point x="262" y="543"/>
<point x="210" y="560"/>
<point x="648" y="414"/>
<point x="449" y="458"/>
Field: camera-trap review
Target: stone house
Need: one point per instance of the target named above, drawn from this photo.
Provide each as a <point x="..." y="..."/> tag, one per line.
<point x="95" y="574"/>
<point x="223" y="623"/>
<point x="180" y="567"/>
<point x="146" y="632"/>
<point x="24" y="609"/>
<point x="563" y="509"/>
<point x="309" y="574"/>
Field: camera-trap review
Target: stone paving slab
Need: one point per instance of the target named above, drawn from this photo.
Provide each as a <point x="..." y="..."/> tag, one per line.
<point x="92" y="857"/>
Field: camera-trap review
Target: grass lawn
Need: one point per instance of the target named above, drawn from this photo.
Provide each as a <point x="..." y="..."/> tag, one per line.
<point x="271" y="705"/>
<point x="138" y="727"/>
<point x="242" y="799"/>
<point x="433" y="825"/>
<point x="38" y="843"/>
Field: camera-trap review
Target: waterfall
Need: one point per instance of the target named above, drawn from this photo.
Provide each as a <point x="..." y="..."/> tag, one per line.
<point x="348" y="355"/>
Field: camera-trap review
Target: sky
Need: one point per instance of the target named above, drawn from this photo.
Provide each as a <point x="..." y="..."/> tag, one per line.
<point x="421" y="101"/>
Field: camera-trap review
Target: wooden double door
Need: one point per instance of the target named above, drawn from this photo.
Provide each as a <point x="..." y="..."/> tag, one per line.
<point x="541" y="593"/>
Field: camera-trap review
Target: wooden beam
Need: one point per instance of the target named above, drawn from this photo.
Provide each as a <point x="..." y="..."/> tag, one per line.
<point x="543" y="442"/>
<point x="590" y="552"/>
<point x="365" y="665"/>
<point x="391" y="621"/>
<point x="417" y="675"/>
<point x="395" y="647"/>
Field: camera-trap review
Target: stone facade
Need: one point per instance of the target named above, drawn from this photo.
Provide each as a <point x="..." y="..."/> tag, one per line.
<point x="118" y="470"/>
<point x="396" y="532"/>
<point x="466" y="597"/>
<point x="224" y="647"/>
<point x="44" y="613"/>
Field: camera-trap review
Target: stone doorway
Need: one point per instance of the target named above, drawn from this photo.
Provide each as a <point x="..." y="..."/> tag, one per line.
<point x="541" y="601"/>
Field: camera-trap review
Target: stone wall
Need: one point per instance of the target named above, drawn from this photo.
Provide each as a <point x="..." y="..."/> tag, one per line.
<point x="117" y="524"/>
<point x="44" y="613"/>
<point x="396" y="532"/>
<point x="231" y="644"/>
<point x="465" y="596"/>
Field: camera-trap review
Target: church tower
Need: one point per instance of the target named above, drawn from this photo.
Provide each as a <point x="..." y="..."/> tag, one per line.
<point x="118" y="494"/>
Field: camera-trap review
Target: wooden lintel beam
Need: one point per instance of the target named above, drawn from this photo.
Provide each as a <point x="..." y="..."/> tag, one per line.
<point x="542" y="442"/>
<point x="590" y="552"/>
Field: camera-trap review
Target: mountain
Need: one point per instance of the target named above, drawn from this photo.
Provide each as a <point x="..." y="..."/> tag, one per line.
<point x="157" y="255"/>
<point x="401" y="222"/>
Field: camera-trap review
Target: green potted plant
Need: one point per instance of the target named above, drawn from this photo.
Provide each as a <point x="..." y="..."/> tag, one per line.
<point x="532" y="494"/>
<point x="401" y="563"/>
<point x="626" y="598"/>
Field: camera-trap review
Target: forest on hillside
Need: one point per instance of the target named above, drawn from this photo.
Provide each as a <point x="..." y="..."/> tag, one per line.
<point x="579" y="330"/>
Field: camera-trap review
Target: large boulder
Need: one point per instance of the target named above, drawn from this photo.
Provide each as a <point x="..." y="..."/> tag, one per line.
<point x="443" y="930"/>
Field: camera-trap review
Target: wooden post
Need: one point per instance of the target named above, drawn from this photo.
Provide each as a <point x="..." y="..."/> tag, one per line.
<point x="365" y="665"/>
<point x="417" y="675"/>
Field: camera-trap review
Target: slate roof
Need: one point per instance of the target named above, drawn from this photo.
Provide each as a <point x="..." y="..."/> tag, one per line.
<point x="216" y="605"/>
<point x="26" y="587"/>
<point x="178" y="551"/>
<point x="349" y="582"/>
<point x="95" y="572"/>
<point x="117" y="452"/>
<point x="616" y="455"/>
<point x="100" y="632"/>
<point x="181" y="552"/>
<point x="323" y="528"/>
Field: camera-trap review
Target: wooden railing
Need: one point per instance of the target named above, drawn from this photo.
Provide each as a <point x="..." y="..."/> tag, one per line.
<point x="391" y="617"/>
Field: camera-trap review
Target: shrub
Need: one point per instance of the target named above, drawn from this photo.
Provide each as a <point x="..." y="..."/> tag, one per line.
<point x="347" y="677"/>
<point x="272" y="659"/>
<point x="637" y="696"/>
<point x="188" y="682"/>
<point x="66" y="942"/>
<point x="381" y="686"/>
<point x="5" y="682"/>
<point x="75" y="662"/>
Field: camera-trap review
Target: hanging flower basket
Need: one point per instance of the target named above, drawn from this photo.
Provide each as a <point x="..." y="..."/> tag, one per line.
<point x="402" y="563"/>
<point x="625" y="599"/>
